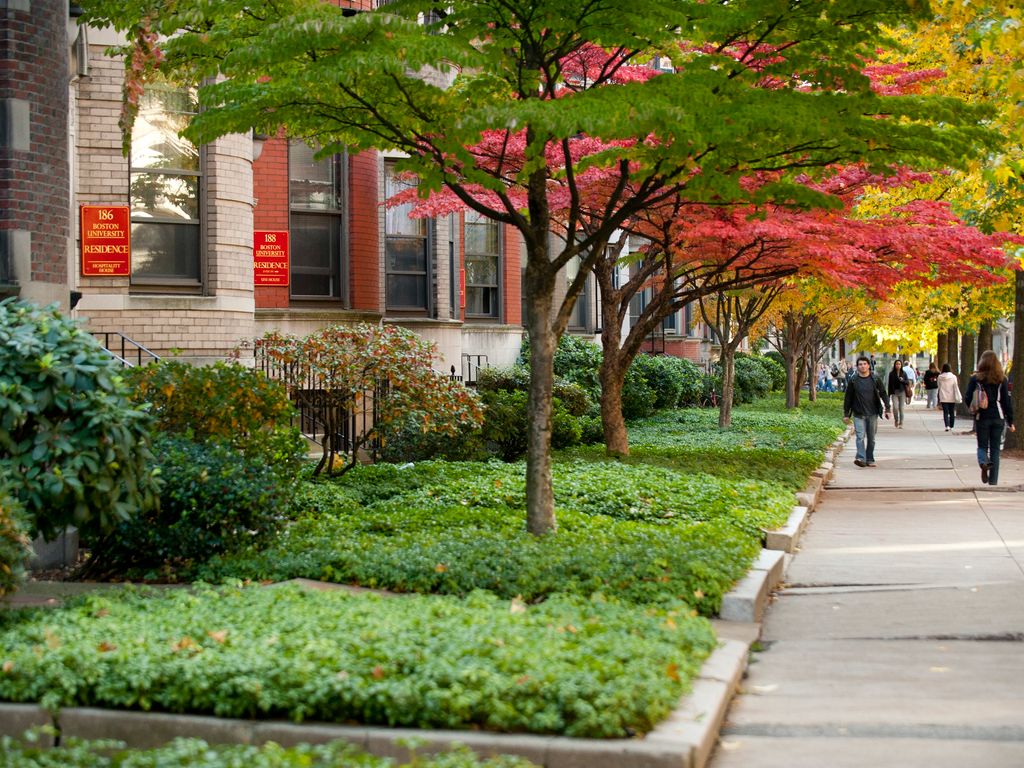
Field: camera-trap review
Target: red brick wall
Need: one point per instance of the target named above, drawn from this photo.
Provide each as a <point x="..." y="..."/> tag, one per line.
<point x="512" y="278"/>
<point x="34" y="182"/>
<point x="270" y="182"/>
<point x="364" y="232"/>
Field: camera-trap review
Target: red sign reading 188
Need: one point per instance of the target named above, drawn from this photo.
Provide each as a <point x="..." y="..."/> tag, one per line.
<point x="270" y="258"/>
<point x="106" y="241"/>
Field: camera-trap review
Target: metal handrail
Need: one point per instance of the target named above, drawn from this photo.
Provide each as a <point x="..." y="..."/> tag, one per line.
<point x="128" y="348"/>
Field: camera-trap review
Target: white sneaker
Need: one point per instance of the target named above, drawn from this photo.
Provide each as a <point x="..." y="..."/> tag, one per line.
<point x="947" y="429"/>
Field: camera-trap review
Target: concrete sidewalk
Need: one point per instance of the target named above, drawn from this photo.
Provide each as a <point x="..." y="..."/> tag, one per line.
<point x="898" y="639"/>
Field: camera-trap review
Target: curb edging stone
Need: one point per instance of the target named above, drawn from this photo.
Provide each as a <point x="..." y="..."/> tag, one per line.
<point x="683" y="740"/>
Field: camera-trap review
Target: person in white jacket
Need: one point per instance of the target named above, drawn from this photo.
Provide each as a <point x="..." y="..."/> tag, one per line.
<point x="949" y="395"/>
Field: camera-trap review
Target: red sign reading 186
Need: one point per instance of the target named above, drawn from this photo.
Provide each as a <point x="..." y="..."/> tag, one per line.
<point x="106" y="241"/>
<point x="270" y="258"/>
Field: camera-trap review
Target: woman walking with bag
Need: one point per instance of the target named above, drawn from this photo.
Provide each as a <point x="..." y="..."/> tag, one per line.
<point x="987" y="393"/>
<point x="949" y="395"/>
<point x="899" y="383"/>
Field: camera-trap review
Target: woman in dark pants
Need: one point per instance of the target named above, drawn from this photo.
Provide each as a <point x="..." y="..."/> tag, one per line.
<point x="990" y="422"/>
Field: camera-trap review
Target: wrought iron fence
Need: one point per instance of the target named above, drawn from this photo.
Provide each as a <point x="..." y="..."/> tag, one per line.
<point x="337" y="421"/>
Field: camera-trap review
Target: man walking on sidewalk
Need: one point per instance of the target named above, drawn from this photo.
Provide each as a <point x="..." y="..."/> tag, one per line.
<point x="865" y="401"/>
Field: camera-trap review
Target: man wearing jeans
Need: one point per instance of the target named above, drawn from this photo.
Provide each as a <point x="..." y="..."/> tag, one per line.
<point x="865" y="401"/>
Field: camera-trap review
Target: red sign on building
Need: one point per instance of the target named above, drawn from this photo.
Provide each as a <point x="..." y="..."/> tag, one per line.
<point x="106" y="241"/>
<point x="270" y="258"/>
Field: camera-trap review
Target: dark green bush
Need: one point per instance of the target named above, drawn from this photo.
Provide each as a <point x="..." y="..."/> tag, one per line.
<point x="752" y="382"/>
<point x="226" y="403"/>
<point x="638" y="397"/>
<point x="505" y="424"/>
<point x="515" y="378"/>
<point x="775" y="370"/>
<point x="591" y="430"/>
<point x="196" y="753"/>
<point x="404" y="440"/>
<point x="14" y="543"/>
<point x="73" y="447"/>
<point x="574" y="398"/>
<point x="213" y="500"/>
<point x="662" y="376"/>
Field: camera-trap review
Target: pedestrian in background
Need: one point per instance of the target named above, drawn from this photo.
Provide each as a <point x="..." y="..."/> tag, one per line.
<point x="911" y="377"/>
<point x="865" y="401"/>
<point x="990" y="423"/>
<point x="897" y="389"/>
<point x="931" y="385"/>
<point x="949" y="395"/>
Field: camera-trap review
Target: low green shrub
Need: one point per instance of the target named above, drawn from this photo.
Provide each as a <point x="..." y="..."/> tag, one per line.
<point x="404" y="440"/>
<point x="506" y="422"/>
<point x="607" y="670"/>
<point x="72" y="446"/>
<point x="753" y="381"/>
<point x="774" y="369"/>
<point x="14" y="543"/>
<point x="662" y="376"/>
<point x="213" y="500"/>
<point x="642" y="534"/>
<point x="195" y="753"/>
<point x="226" y="403"/>
<point x="677" y="382"/>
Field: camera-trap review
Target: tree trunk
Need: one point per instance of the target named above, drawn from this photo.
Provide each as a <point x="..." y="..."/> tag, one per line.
<point x="966" y="358"/>
<point x="1015" y="440"/>
<point x="953" y="349"/>
<point x="941" y="350"/>
<point x="540" y="500"/>
<point x="728" y="363"/>
<point x="801" y="374"/>
<point x="613" y="423"/>
<point x="984" y="337"/>
<point x="966" y="368"/>
<point x="792" y="380"/>
<point x="812" y="379"/>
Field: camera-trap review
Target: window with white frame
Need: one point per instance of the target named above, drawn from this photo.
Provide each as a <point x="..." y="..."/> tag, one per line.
<point x="483" y="266"/>
<point x="316" y="197"/>
<point x="406" y="250"/>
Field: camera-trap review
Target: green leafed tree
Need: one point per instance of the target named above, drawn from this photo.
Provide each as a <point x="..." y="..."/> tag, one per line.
<point x="517" y="106"/>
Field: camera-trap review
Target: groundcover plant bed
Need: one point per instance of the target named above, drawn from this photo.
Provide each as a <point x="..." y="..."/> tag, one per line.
<point x="572" y="666"/>
<point x="195" y="753"/>
<point x="640" y="534"/>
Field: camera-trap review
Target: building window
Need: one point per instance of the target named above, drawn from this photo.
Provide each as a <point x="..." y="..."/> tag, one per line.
<point x="316" y="196"/>
<point x="579" y="320"/>
<point x="483" y="266"/>
<point x="164" y="190"/>
<point x="406" y="250"/>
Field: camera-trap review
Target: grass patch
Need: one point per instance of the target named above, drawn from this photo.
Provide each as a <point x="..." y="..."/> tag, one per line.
<point x="588" y="668"/>
<point x="766" y="442"/>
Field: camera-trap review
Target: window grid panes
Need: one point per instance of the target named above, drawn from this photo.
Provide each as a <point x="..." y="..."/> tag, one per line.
<point x="317" y="201"/>
<point x="483" y="259"/>
<point x="164" y="187"/>
<point x="407" y="249"/>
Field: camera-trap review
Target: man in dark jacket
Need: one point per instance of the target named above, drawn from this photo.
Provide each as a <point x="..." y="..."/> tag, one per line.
<point x="865" y="401"/>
